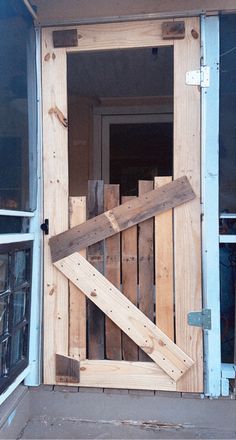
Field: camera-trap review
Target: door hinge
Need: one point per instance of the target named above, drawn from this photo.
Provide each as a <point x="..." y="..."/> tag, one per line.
<point x="200" y="319"/>
<point x="200" y="77"/>
<point x="45" y="226"/>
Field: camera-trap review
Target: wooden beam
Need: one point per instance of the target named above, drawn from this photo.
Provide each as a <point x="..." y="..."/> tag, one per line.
<point x="124" y="216"/>
<point x="124" y="314"/>
<point x="123" y="374"/>
<point x="67" y="369"/>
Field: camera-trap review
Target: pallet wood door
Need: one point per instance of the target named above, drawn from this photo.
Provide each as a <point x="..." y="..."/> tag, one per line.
<point x="185" y="249"/>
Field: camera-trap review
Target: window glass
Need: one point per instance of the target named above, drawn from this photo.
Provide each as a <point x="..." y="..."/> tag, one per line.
<point x="17" y="152"/>
<point x="228" y="113"/>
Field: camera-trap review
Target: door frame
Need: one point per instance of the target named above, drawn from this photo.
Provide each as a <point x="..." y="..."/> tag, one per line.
<point x="188" y="291"/>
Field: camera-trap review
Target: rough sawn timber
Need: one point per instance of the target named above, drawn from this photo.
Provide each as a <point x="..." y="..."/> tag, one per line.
<point x="123" y="313"/>
<point x="122" y="217"/>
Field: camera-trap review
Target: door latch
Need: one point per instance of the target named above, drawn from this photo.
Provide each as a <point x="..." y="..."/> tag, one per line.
<point x="45" y="226"/>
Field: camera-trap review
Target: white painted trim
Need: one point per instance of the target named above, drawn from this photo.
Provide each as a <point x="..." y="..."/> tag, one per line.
<point x="106" y="121"/>
<point x="210" y="196"/>
<point x="15" y="238"/>
<point x="14" y="385"/>
<point x="11" y="213"/>
<point x="227" y="238"/>
<point x="228" y="216"/>
<point x="35" y="349"/>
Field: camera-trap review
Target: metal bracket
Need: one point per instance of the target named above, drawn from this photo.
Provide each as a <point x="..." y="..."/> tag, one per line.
<point x="200" y="77"/>
<point x="200" y="319"/>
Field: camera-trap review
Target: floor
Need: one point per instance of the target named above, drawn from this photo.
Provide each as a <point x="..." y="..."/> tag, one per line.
<point x="72" y="413"/>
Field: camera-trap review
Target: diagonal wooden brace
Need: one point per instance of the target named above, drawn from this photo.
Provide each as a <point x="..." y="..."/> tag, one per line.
<point x="125" y="315"/>
<point x="122" y="217"/>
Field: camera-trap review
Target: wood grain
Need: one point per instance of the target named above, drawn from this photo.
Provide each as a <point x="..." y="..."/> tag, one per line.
<point x="129" y="239"/>
<point x="187" y="229"/>
<point x="124" y="314"/>
<point x="164" y="267"/>
<point x="67" y="369"/>
<point x="96" y="319"/>
<point x="126" y="215"/>
<point x="55" y="182"/>
<point x="146" y="262"/>
<point x="112" y="273"/>
<point x="77" y="300"/>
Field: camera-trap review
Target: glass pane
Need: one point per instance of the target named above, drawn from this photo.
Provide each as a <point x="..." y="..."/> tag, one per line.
<point x="227" y="113"/>
<point x="10" y="225"/>
<point x="3" y="315"/>
<point x="17" y="346"/>
<point x="21" y="272"/>
<point x="3" y="272"/>
<point x="3" y="355"/>
<point x="19" y="306"/>
<point x="17" y="157"/>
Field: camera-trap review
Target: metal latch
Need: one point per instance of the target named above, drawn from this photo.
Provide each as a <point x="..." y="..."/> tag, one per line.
<point x="200" y="77"/>
<point x="200" y="319"/>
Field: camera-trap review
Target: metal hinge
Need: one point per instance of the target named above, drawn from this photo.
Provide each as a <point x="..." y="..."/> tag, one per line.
<point x="45" y="226"/>
<point x="200" y="77"/>
<point x="200" y="319"/>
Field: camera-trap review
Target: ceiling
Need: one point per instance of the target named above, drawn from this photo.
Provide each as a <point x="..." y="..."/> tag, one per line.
<point x="117" y="73"/>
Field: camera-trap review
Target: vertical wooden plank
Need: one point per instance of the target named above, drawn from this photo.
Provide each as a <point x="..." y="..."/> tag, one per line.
<point x="187" y="231"/>
<point x="77" y="300"/>
<point x="164" y="267"/>
<point x="96" y="319"/>
<point x="112" y="273"/>
<point x="129" y="272"/>
<point x="55" y="162"/>
<point x="146" y="264"/>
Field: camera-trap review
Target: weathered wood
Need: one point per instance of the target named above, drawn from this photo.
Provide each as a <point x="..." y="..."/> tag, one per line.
<point x="187" y="229"/>
<point x="55" y="181"/>
<point x="77" y="300"/>
<point x="124" y="314"/>
<point x="67" y="369"/>
<point x="146" y="262"/>
<point x="115" y="220"/>
<point x="112" y="273"/>
<point x="174" y="30"/>
<point x="129" y="280"/>
<point x="164" y="267"/>
<point x="65" y="38"/>
<point x="96" y="319"/>
<point x="121" y="374"/>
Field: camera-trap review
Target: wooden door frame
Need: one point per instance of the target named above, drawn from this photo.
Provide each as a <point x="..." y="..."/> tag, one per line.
<point x="188" y="293"/>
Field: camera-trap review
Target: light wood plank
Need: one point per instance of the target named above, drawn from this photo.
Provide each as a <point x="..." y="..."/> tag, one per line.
<point x="96" y="319"/>
<point x="118" y="35"/>
<point x="77" y="301"/>
<point x="123" y="374"/>
<point x="129" y="239"/>
<point x="55" y="150"/>
<point x="146" y="262"/>
<point x="112" y="273"/>
<point x="187" y="231"/>
<point x="124" y="314"/>
<point x="126" y="215"/>
<point x="164" y="267"/>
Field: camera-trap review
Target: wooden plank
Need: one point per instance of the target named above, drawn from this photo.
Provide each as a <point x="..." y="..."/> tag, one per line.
<point x="77" y="300"/>
<point x="55" y="181"/>
<point x="112" y="273"/>
<point x="146" y="262"/>
<point x="96" y="319"/>
<point x="124" y="314"/>
<point x="164" y="267"/>
<point x="126" y="375"/>
<point x="126" y="215"/>
<point x="174" y="30"/>
<point x="67" y="369"/>
<point x="187" y="229"/>
<point x="129" y="280"/>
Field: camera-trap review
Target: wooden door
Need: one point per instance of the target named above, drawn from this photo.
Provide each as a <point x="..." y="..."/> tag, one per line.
<point x="186" y="351"/>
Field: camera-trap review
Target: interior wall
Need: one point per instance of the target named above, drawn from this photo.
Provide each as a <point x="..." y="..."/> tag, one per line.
<point x="64" y="10"/>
